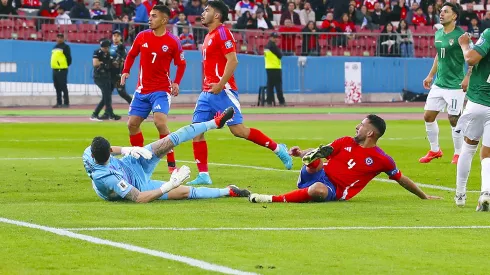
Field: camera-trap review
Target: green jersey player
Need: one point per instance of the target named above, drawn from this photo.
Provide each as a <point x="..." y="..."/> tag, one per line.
<point x="448" y="89"/>
<point x="475" y="121"/>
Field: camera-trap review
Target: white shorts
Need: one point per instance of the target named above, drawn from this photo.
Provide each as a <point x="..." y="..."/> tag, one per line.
<point x="439" y="98"/>
<point x="475" y="122"/>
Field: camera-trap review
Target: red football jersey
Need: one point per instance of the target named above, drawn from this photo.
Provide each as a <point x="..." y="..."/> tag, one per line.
<point x="157" y="53"/>
<point x="217" y="44"/>
<point x="350" y="167"/>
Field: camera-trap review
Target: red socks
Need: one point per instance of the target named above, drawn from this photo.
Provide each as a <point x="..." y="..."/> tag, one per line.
<point x="257" y="137"/>
<point x="300" y="195"/>
<point x="137" y="140"/>
<point x="201" y="155"/>
<point x="170" y="155"/>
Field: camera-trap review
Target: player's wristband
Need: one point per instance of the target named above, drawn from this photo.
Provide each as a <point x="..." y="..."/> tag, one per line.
<point x="125" y="150"/>
<point x="166" y="187"/>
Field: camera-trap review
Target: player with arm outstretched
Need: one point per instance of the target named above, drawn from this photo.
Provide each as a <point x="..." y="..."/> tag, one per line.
<point x="220" y="90"/>
<point x="157" y="48"/>
<point x="448" y="89"/>
<point x="129" y="178"/>
<point x="475" y="121"/>
<point x="352" y="164"/>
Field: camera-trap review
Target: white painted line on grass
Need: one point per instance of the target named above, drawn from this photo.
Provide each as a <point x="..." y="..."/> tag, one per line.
<point x="46" y="140"/>
<point x="186" y="260"/>
<point x="224" y="138"/>
<point x="333" y="228"/>
<point x="429" y="186"/>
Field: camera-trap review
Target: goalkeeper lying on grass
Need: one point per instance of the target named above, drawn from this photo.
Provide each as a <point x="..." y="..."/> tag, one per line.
<point x="130" y="177"/>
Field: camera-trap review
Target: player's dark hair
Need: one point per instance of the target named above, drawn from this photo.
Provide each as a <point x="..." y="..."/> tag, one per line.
<point x="221" y="7"/>
<point x="378" y="123"/>
<point x="101" y="149"/>
<point x="162" y="8"/>
<point x="454" y="8"/>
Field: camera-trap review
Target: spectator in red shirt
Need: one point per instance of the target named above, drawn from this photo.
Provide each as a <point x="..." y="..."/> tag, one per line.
<point x="149" y="4"/>
<point x="403" y="10"/>
<point x="288" y="40"/>
<point x="175" y="9"/>
<point x="419" y="18"/>
<point x="187" y="39"/>
<point x="370" y="4"/>
<point x="347" y="27"/>
<point x="291" y="15"/>
<point x="330" y="25"/>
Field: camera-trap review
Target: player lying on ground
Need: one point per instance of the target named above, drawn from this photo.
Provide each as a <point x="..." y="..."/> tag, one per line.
<point x="475" y="121"/>
<point x="130" y="177"/>
<point x="352" y="164"/>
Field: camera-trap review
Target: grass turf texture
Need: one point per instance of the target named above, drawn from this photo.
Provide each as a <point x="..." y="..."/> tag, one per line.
<point x="189" y="111"/>
<point x="58" y="193"/>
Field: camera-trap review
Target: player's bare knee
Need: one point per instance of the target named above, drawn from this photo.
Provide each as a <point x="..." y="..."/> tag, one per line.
<point x="470" y="142"/>
<point x="162" y="128"/>
<point x="134" y="125"/>
<point x="453" y="120"/>
<point x="430" y="116"/>
<point x="199" y="138"/>
<point x="240" y="131"/>
<point x="318" y="191"/>
<point x="484" y="152"/>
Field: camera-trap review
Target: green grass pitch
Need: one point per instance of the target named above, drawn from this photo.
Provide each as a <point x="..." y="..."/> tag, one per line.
<point x="56" y="192"/>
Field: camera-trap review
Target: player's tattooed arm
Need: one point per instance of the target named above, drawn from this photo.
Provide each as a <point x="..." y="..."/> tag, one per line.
<point x="161" y="147"/>
<point x="143" y="197"/>
<point x="466" y="80"/>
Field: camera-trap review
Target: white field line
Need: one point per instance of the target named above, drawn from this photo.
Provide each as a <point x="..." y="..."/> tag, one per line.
<point x="333" y="228"/>
<point x="224" y="138"/>
<point x="46" y="140"/>
<point x="186" y="260"/>
<point x="429" y="186"/>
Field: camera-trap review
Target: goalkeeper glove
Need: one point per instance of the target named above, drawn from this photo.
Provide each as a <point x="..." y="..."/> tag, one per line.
<point x="137" y="152"/>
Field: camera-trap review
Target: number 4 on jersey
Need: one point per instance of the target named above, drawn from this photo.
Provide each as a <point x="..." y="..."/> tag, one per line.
<point x="351" y="163"/>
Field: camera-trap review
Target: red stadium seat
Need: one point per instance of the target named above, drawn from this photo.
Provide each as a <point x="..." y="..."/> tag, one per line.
<point x="87" y="28"/>
<point x="49" y="28"/>
<point x="104" y="28"/>
<point x="68" y="28"/>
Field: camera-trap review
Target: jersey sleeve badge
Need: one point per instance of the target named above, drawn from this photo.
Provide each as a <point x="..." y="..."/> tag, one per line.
<point x="228" y="44"/>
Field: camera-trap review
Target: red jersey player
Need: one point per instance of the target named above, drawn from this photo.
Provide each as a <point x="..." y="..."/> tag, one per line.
<point x="352" y="164"/>
<point x="220" y="90"/>
<point x="154" y="89"/>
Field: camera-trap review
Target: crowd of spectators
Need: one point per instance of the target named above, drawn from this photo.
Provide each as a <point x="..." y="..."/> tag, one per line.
<point x="298" y="21"/>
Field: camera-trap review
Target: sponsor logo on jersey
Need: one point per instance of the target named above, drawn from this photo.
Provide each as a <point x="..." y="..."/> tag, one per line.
<point x="480" y="41"/>
<point x="164" y="48"/>
<point x="122" y="185"/>
<point x="348" y="149"/>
